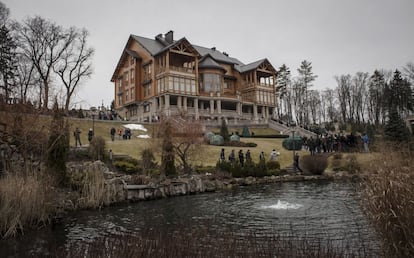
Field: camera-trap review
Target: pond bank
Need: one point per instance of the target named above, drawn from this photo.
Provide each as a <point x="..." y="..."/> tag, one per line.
<point x="125" y="188"/>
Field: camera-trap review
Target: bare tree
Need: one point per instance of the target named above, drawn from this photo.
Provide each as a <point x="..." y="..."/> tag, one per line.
<point x="75" y="64"/>
<point x="44" y="43"/>
<point x="26" y="77"/>
<point x="343" y="92"/>
<point x="376" y="89"/>
<point x="359" y="89"/>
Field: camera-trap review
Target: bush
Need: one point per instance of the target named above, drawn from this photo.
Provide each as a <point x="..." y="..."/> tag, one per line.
<point x="387" y="200"/>
<point x="272" y="164"/>
<point x="314" y="164"/>
<point x="128" y="165"/>
<point x="97" y="148"/>
<point x="25" y="201"/>
<point x="352" y="165"/>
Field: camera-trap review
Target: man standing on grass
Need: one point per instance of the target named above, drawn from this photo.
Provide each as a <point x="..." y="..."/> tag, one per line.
<point x="76" y="134"/>
<point x="113" y="133"/>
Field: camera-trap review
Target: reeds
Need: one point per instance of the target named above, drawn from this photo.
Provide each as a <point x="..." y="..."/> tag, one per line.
<point x="24" y="202"/>
<point x="388" y="200"/>
<point x="204" y="243"/>
<point x="94" y="191"/>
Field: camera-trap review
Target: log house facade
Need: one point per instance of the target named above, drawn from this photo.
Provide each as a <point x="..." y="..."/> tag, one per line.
<point x="163" y="76"/>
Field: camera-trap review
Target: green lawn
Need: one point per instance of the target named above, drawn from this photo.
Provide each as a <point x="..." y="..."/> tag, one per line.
<point x="207" y="156"/>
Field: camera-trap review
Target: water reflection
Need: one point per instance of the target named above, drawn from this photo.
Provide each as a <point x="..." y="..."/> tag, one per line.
<point x="327" y="211"/>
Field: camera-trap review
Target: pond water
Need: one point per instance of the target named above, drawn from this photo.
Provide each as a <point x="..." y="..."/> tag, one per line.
<point x="315" y="210"/>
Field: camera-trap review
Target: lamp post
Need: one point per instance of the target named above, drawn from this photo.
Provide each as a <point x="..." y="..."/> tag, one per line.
<point x="293" y="142"/>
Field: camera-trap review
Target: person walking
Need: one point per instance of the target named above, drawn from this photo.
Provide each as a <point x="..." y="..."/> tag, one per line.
<point x="241" y="158"/>
<point x="274" y="154"/>
<point x="232" y="156"/>
<point x="248" y="157"/>
<point x="76" y="134"/>
<point x="262" y="156"/>
<point x="222" y="155"/>
<point x="120" y="133"/>
<point x="113" y="131"/>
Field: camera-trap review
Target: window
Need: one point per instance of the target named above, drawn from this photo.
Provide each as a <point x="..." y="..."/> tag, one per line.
<point x="126" y="95"/>
<point x="126" y="77"/>
<point x="120" y="83"/>
<point x="147" y="72"/>
<point x="132" y="75"/>
<point x="147" y="108"/>
<point x="132" y="94"/>
<point x="209" y="82"/>
<point x="132" y="61"/>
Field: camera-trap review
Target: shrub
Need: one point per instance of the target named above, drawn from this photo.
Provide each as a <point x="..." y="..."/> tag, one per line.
<point x="272" y="164"/>
<point x="97" y="148"/>
<point x="25" y="201"/>
<point x="387" y="200"/>
<point x="128" y="165"/>
<point x="148" y="159"/>
<point x="352" y="165"/>
<point x="314" y="164"/>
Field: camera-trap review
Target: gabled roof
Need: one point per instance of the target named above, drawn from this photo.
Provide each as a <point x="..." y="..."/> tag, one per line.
<point x="217" y="55"/>
<point x="255" y="65"/>
<point x="120" y="63"/>
<point x="175" y="43"/>
<point x="208" y="62"/>
<point x="151" y="45"/>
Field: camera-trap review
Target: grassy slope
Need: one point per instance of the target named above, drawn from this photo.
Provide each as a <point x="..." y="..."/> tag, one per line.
<point x="208" y="154"/>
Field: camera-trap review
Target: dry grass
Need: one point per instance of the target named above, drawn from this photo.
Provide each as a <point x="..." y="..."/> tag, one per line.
<point x="24" y="201"/>
<point x="387" y="199"/>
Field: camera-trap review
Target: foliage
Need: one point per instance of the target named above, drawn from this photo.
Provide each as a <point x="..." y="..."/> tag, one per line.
<point x="224" y="131"/>
<point x="58" y="146"/>
<point x="97" y="148"/>
<point x="272" y="164"/>
<point x="129" y="166"/>
<point x="8" y="61"/>
<point x="387" y="199"/>
<point x="395" y="128"/>
<point x="217" y="140"/>
<point x="245" y="132"/>
<point x="168" y="156"/>
<point x="25" y="201"/>
<point x="148" y="160"/>
<point x="293" y="143"/>
<point x="352" y="165"/>
<point x="235" y="138"/>
<point x="314" y="164"/>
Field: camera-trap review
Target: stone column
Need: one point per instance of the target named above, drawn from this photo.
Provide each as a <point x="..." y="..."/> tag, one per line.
<point x="197" y="116"/>
<point x="179" y="102"/>
<point x="185" y="103"/>
<point x="255" y="118"/>
<point x="218" y="106"/>
<point x="167" y="104"/>
<point x="211" y="106"/>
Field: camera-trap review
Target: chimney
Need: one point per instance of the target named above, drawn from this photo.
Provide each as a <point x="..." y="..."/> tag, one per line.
<point x="213" y="48"/>
<point x="159" y="36"/>
<point x="169" y="37"/>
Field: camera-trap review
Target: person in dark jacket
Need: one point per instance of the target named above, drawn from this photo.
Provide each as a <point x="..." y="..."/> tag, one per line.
<point x="90" y="134"/>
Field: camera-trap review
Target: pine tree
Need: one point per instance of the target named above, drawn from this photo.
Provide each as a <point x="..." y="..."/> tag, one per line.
<point x="8" y="61"/>
<point x="58" y="146"/>
<point x="224" y="131"/>
<point x="395" y="128"/>
<point x="399" y="95"/>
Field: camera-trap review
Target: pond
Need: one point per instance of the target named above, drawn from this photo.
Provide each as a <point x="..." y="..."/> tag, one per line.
<point x="313" y="210"/>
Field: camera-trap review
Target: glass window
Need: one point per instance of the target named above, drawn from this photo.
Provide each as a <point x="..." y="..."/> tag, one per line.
<point x="132" y="74"/>
<point x="211" y="82"/>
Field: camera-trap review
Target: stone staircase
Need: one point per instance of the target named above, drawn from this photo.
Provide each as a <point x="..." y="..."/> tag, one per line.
<point x="283" y="129"/>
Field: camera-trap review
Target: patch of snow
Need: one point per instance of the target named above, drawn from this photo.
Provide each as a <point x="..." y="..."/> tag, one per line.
<point x="144" y="136"/>
<point x="136" y="127"/>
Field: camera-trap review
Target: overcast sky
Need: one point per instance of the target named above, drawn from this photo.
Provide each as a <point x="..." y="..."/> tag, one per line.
<point x="338" y="37"/>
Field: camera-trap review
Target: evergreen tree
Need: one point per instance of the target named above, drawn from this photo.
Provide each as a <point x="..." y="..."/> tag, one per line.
<point x="283" y="81"/>
<point x="395" y="128"/>
<point x="58" y="146"/>
<point x="168" y="155"/>
<point x="305" y="79"/>
<point x="224" y="131"/>
<point x="8" y="61"/>
<point x="399" y="95"/>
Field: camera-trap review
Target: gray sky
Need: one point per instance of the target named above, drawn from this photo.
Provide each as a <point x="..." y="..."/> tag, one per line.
<point x="337" y="36"/>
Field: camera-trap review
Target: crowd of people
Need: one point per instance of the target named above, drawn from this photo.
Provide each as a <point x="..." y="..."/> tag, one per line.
<point x="336" y="143"/>
<point x="247" y="158"/>
<point x="123" y="134"/>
